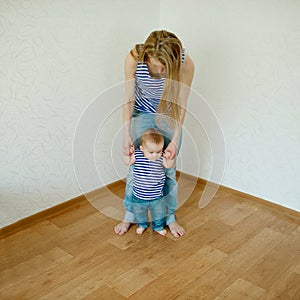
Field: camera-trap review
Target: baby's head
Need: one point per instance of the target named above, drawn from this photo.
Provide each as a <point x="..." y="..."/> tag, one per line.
<point x="151" y="144"/>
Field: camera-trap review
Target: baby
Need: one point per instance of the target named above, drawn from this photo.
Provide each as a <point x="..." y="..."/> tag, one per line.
<point x="149" y="179"/>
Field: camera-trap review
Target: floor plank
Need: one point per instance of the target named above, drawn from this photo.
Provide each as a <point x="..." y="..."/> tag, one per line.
<point x="288" y="287"/>
<point x="242" y="231"/>
<point x="32" y="267"/>
<point x="227" y="271"/>
<point x="242" y="289"/>
<point x="182" y="274"/>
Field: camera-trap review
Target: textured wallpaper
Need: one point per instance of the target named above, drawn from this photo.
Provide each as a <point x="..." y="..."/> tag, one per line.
<point x="56" y="58"/>
<point x="247" y="57"/>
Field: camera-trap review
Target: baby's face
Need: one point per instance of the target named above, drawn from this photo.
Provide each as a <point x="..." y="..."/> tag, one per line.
<point x="151" y="150"/>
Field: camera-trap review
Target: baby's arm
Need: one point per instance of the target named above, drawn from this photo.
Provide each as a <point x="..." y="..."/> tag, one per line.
<point x="167" y="162"/>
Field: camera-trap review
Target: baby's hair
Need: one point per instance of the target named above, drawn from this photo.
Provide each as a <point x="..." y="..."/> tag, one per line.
<point x="152" y="135"/>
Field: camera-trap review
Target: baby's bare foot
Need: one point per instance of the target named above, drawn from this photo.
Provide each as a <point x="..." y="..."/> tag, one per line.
<point x="176" y="229"/>
<point x="162" y="232"/>
<point x="140" y="230"/>
<point x="122" y="227"/>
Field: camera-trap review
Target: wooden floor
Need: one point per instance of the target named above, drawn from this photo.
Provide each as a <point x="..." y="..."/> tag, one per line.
<point x="233" y="249"/>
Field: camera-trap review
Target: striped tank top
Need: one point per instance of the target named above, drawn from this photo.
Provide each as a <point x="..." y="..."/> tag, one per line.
<point x="149" y="177"/>
<point x="148" y="90"/>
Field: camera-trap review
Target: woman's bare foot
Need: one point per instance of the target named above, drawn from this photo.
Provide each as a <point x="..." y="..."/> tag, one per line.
<point x="122" y="227"/>
<point x="140" y="230"/>
<point x="176" y="229"/>
<point x="162" y="232"/>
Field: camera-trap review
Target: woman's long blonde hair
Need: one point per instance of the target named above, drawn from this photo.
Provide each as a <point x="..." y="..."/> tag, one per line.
<point x="167" y="48"/>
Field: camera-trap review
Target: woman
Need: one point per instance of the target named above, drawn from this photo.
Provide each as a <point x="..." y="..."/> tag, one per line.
<point x="158" y="77"/>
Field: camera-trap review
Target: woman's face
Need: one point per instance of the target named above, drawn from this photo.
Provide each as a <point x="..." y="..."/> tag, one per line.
<point x="156" y="67"/>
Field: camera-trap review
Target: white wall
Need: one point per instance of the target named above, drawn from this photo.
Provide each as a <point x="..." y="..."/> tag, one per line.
<point x="60" y="59"/>
<point x="55" y="58"/>
<point x="248" y="69"/>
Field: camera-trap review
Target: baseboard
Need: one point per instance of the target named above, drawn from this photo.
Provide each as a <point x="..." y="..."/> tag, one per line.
<point x="81" y="200"/>
<point x="51" y="212"/>
<point x="28" y="221"/>
<point x="288" y="211"/>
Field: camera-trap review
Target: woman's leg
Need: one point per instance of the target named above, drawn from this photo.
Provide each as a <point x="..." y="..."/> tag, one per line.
<point x="171" y="190"/>
<point x="129" y="217"/>
<point x="139" y="124"/>
<point x="171" y="195"/>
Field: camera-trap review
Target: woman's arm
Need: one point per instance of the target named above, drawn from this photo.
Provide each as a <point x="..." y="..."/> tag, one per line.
<point x="187" y="78"/>
<point x="128" y="103"/>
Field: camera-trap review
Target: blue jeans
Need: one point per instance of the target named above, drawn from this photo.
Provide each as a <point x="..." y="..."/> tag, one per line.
<point x="137" y="212"/>
<point x="139" y="123"/>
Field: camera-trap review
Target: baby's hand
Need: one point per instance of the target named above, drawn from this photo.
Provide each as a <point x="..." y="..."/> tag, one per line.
<point x="167" y="161"/>
<point x="129" y="159"/>
<point x="131" y="150"/>
<point x="167" y="155"/>
<point x="171" y="149"/>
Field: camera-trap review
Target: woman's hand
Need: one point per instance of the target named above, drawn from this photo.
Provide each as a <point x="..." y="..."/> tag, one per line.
<point x="171" y="150"/>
